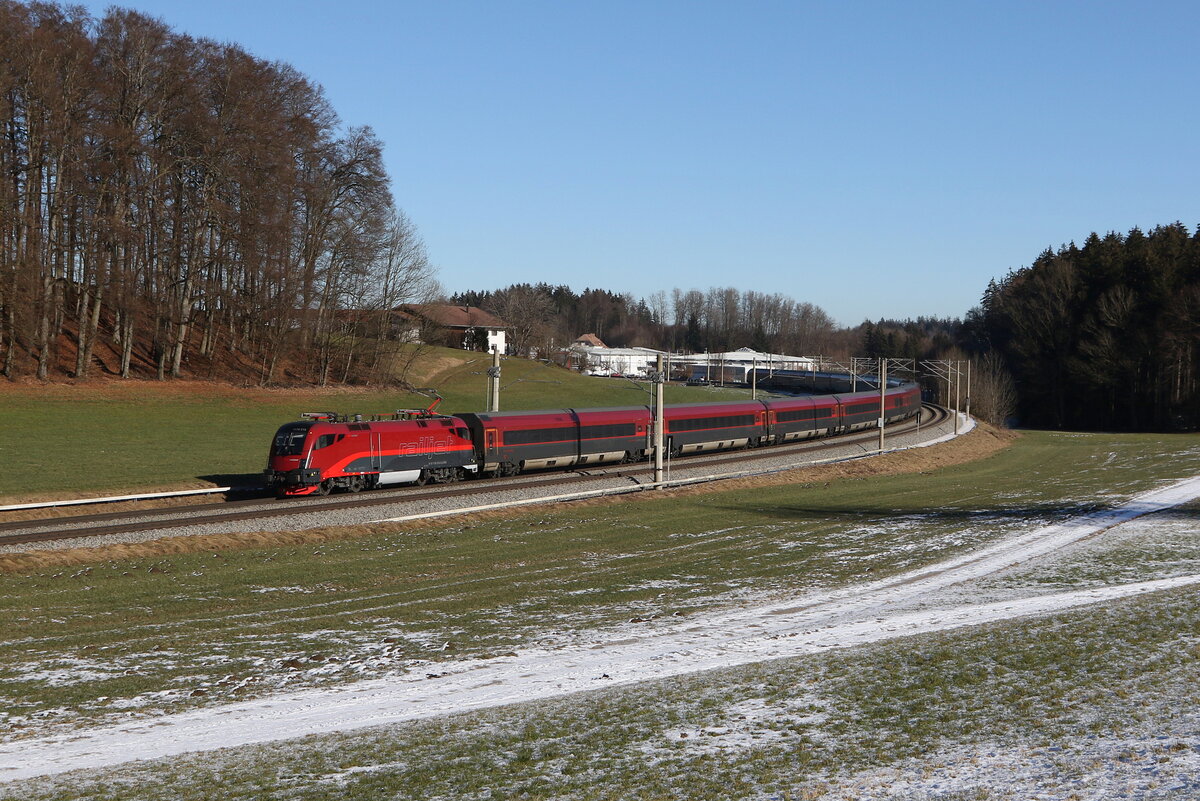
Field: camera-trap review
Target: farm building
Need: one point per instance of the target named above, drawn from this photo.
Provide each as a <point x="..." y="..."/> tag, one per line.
<point x="466" y="327"/>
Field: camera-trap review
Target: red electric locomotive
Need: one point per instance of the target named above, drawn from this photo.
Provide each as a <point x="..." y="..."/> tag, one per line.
<point x="324" y="452"/>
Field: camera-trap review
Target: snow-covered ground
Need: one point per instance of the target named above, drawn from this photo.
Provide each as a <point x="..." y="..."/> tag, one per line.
<point x="871" y="612"/>
<point x="1151" y="766"/>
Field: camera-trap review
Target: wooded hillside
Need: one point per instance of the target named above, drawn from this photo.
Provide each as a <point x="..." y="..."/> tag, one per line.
<point x="166" y="199"/>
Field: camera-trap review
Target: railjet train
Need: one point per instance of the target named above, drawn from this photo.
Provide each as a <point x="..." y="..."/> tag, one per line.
<point x="323" y="453"/>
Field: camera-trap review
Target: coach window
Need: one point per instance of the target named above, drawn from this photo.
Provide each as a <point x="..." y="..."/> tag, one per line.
<point x="323" y="441"/>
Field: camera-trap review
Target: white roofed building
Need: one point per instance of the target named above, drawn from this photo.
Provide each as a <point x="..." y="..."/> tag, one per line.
<point x="633" y="362"/>
<point x="731" y="367"/>
<point x="734" y="366"/>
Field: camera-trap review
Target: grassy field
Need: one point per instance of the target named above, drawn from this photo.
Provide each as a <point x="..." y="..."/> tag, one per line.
<point x="70" y="440"/>
<point x="136" y="636"/>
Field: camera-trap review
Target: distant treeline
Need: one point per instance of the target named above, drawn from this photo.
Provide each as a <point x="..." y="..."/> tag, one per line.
<point x="166" y="199"/>
<point x="1104" y="336"/>
<point x="544" y="316"/>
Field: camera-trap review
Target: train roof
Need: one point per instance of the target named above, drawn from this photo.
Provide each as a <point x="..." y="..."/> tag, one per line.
<point x="436" y="421"/>
<point x="801" y="401"/>
<point x="742" y="405"/>
<point x="488" y="416"/>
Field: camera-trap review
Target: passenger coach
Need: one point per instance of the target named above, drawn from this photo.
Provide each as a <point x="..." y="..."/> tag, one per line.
<point x="508" y="442"/>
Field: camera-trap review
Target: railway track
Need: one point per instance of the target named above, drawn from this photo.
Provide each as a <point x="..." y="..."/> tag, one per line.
<point x="261" y="508"/>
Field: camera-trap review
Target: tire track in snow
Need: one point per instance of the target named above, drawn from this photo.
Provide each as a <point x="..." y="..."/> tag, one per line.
<point x="838" y="619"/>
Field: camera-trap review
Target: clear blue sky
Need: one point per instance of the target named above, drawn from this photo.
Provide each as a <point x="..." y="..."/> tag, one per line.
<point x="878" y="159"/>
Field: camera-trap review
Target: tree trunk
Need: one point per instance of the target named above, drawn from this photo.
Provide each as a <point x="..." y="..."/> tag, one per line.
<point x="82" y="308"/>
<point x="126" y="343"/>
<point x="44" y="339"/>
<point x="92" y="324"/>
<point x="182" y="328"/>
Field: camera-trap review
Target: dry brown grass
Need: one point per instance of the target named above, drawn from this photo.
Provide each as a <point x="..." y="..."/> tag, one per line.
<point x="427" y="370"/>
<point x="984" y="441"/>
<point x="979" y="444"/>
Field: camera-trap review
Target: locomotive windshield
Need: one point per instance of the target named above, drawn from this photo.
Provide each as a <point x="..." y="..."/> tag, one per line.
<point x="289" y="440"/>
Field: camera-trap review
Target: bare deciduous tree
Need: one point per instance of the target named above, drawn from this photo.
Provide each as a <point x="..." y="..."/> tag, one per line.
<point x="178" y="198"/>
<point x="993" y="394"/>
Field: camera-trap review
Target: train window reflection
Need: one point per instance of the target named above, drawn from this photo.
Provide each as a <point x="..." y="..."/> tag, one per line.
<point x="289" y="440"/>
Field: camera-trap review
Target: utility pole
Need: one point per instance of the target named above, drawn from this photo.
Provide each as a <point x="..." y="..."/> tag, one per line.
<point x="658" y="421"/>
<point x="882" y="399"/>
<point x="494" y="381"/>
<point x="949" y="382"/>
<point x="754" y="380"/>
<point x="950" y="371"/>
<point x="957" y="386"/>
<point x="968" y="387"/>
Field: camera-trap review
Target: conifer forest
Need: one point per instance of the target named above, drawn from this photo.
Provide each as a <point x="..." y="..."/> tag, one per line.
<point x="1103" y="336"/>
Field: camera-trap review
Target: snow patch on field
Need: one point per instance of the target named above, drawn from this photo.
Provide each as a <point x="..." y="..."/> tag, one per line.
<point x="753" y="723"/>
<point x="1147" y="767"/>
<point x="77" y="673"/>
